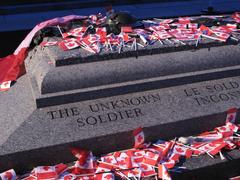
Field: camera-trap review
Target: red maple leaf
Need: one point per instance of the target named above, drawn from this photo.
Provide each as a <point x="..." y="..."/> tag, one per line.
<point x="109" y="176"/>
<point x="179" y="150"/>
<point x="143" y="166"/>
<point x="108" y="159"/>
<point x="223" y="128"/>
<point x="46" y="168"/>
<point x="122" y="162"/>
<point x="71" y="44"/>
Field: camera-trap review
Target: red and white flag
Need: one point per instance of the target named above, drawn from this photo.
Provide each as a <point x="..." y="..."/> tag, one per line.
<point x="147" y="170"/>
<point x="48" y="43"/>
<point x="124" y="161"/>
<point x="104" y="176"/>
<point x="138" y="137"/>
<point x="80" y="154"/>
<point x="86" y="167"/>
<point x="169" y="164"/>
<point x="150" y="158"/>
<point x="45" y="172"/>
<point x="5" y="86"/>
<point x="8" y="175"/>
<point x="109" y="159"/>
<point x="231" y="115"/>
<point x="161" y="35"/>
<point x="104" y="167"/>
<point x="68" y="44"/>
<point x="61" y="168"/>
<point x="184" y="20"/>
<point x="183" y="151"/>
<point x="78" y="32"/>
<point x="163" y="173"/>
<point x="67" y="176"/>
<point x="213" y="148"/>
<point x="221" y="36"/>
<point x="126" y="29"/>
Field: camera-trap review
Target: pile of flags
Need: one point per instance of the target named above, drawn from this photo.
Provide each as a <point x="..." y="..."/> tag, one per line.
<point x="157" y="159"/>
<point x="164" y="31"/>
<point x="92" y="36"/>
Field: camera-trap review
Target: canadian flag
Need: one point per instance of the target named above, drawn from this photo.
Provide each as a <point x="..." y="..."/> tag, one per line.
<point x="8" y="175"/>
<point x="81" y="154"/>
<point x="68" y="44"/>
<point x="163" y="173"/>
<point x="45" y="172"/>
<point x="86" y="168"/>
<point x="213" y="148"/>
<point x="126" y="29"/>
<point x="169" y="164"/>
<point x="184" y="20"/>
<point x="124" y="161"/>
<point x="192" y="26"/>
<point x="231" y="115"/>
<point x="30" y="177"/>
<point x="147" y="170"/>
<point x="223" y="29"/>
<point x="104" y="176"/>
<point x="138" y="137"/>
<point x="5" y="86"/>
<point x="60" y="168"/>
<point x="221" y="36"/>
<point x="48" y="43"/>
<point x="133" y="173"/>
<point x="150" y="158"/>
<point x="109" y="159"/>
<point x="205" y="30"/>
<point x="167" y="21"/>
<point x="78" y="32"/>
<point x="102" y="32"/>
<point x="236" y="17"/>
<point x="104" y="167"/>
<point x="229" y="144"/>
<point x="183" y="151"/>
<point x="67" y="176"/>
<point x="232" y="126"/>
<point x="161" y="35"/>
<point x="156" y="28"/>
<point x="137" y="158"/>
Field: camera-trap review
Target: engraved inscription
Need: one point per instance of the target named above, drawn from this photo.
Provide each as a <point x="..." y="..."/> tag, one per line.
<point x="107" y="111"/>
<point x="214" y="93"/>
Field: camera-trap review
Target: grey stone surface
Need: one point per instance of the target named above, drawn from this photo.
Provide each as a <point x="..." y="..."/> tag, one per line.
<point x="49" y="79"/>
<point x="97" y="105"/>
<point x="42" y="136"/>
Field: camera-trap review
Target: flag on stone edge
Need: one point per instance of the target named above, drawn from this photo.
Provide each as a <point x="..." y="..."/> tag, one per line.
<point x="8" y="175"/>
<point x="138" y="137"/>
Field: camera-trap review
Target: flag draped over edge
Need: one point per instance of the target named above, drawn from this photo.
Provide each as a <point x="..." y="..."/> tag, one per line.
<point x="12" y="66"/>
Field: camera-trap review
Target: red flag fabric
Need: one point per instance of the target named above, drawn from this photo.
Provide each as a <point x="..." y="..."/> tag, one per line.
<point x="138" y="137"/>
<point x="12" y="66"/>
<point x="150" y="158"/>
<point x="163" y="173"/>
<point x="68" y="44"/>
<point x="45" y="172"/>
<point x="231" y="115"/>
<point x="48" y="43"/>
<point x="81" y="154"/>
<point x="104" y="176"/>
<point x="8" y="175"/>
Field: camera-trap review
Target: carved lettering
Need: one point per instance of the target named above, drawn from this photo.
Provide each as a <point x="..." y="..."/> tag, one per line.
<point x="214" y="93"/>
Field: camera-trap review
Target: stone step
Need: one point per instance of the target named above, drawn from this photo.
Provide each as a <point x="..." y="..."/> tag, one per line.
<point x="43" y="136"/>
